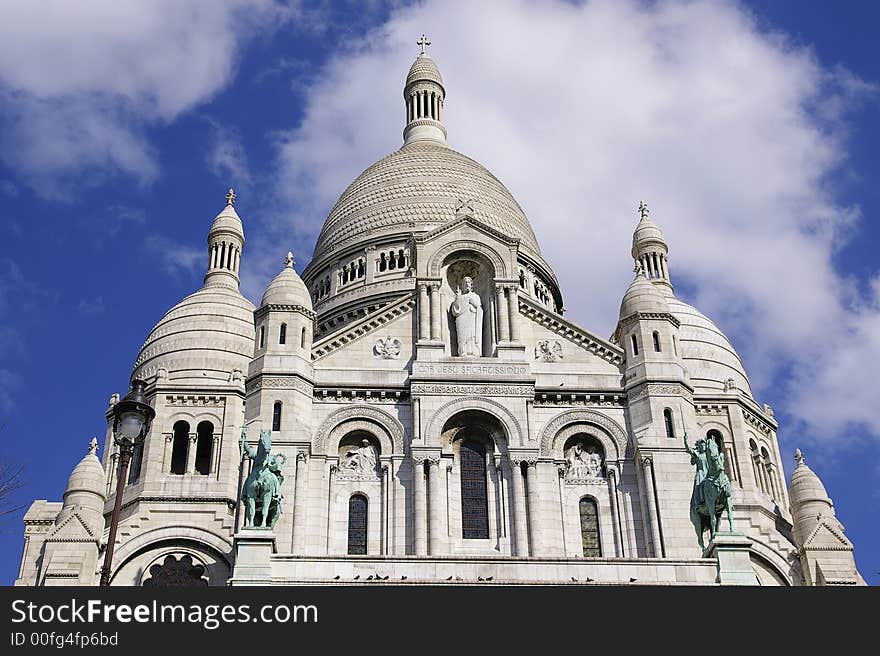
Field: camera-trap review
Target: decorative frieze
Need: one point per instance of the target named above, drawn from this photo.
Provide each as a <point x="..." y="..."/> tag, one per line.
<point x="710" y="409"/>
<point x="279" y="382"/>
<point x="659" y="389"/>
<point x="474" y="369"/>
<point x="469" y="389"/>
<point x="364" y="327"/>
<point x="343" y="395"/>
<point x="757" y="422"/>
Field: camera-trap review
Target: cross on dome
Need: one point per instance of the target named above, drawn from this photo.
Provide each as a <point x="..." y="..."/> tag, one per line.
<point x="230" y="197"/>
<point x="423" y="42"/>
<point x="643" y="210"/>
<point x="93" y="446"/>
<point x="288" y="261"/>
<point x="799" y="456"/>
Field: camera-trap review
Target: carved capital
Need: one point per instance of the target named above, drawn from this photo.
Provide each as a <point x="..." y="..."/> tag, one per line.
<point x="648" y="461"/>
<point x="301" y="456"/>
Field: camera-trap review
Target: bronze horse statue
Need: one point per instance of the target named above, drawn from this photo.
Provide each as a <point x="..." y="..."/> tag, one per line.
<point x="262" y="487"/>
<point x="713" y="493"/>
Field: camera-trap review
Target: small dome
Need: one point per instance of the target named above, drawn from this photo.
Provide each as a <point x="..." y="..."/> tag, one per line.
<point x="228" y="219"/>
<point x="287" y="288"/>
<point x="206" y="336"/>
<point x="87" y="476"/>
<point x="805" y="484"/>
<point x="709" y="356"/>
<point x="642" y="296"/>
<point x="646" y="231"/>
<point x="424" y="69"/>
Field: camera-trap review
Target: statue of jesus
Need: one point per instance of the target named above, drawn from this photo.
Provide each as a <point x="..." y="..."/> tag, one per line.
<point x="467" y="308"/>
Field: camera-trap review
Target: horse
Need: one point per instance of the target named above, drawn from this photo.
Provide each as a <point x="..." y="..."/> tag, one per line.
<point x="713" y="493"/>
<point x="262" y="487"/>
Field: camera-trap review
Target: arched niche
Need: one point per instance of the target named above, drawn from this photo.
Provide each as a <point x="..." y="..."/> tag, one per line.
<point x="139" y="554"/>
<point x="359" y="450"/>
<point x="584" y="457"/>
<point x="457" y="269"/>
<point x="566" y="424"/>
<point x="383" y="426"/>
<point x="509" y="429"/>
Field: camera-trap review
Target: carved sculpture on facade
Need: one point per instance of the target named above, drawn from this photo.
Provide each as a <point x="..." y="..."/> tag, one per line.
<point x="261" y="492"/>
<point x="467" y="309"/>
<point x="582" y="464"/>
<point x="361" y="459"/>
<point x="548" y="351"/>
<point x="387" y="348"/>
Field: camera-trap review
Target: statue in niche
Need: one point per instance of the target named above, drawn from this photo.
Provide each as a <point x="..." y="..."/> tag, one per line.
<point x="581" y="463"/>
<point x="467" y="309"/>
<point x="361" y="459"/>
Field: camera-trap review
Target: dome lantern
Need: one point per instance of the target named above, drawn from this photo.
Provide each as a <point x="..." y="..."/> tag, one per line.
<point x="649" y="248"/>
<point x="225" y="242"/>
<point x="423" y="97"/>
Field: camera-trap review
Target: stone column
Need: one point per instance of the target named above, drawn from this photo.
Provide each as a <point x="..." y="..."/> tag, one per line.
<point x="331" y="484"/>
<point x="191" y="453"/>
<point x="300" y="503"/>
<point x="513" y="309"/>
<point x="437" y="516"/>
<point x="420" y="524"/>
<point x="520" y="522"/>
<point x="560" y="471"/>
<point x="648" y="465"/>
<point x="436" y="310"/>
<point x="424" y="312"/>
<point x="534" y="509"/>
<point x="615" y="512"/>
<point x="503" y="314"/>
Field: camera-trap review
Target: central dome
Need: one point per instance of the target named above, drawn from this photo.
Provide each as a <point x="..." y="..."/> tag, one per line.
<point x="417" y="189"/>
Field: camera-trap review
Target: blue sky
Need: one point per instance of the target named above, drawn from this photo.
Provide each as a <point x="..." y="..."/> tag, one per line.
<point x="749" y="129"/>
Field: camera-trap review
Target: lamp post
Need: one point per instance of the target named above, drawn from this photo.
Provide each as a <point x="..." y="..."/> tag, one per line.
<point x="131" y="421"/>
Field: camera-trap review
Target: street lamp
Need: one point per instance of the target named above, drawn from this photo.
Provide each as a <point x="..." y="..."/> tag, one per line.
<point x="131" y="421"/>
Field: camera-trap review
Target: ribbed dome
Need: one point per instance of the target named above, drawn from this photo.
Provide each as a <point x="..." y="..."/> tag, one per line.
<point x="708" y="354"/>
<point x="424" y="68"/>
<point x="287" y="288"/>
<point x="205" y="336"/>
<point x="415" y="189"/>
<point x="642" y="296"/>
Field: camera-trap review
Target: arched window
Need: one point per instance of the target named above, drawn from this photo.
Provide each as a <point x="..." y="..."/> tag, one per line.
<point x="474" y="501"/>
<point x="302" y="339"/>
<point x="383" y="263"/>
<point x="137" y="459"/>
<point x="178" y="447"/>
<point x="282" y="335"/>
<point x="590" y="528"/>
<point x="718" y="439"/>
<point x="276" y="416"/>
<point x="667" y="419"/>
<point x="674" y="345"/>
<point x="262" y="336"/>
<point x="635" y="344"/>
<point x="656" y="341"/>
<point x="522" y="279"/>
<point x="357" y="524"/>
<point x="204" y="447"/>
<point x="182" y="572"/>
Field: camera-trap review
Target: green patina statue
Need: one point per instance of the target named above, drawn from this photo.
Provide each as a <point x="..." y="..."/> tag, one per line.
<point x="712" y="493"/>
<point x="262" y="487"/>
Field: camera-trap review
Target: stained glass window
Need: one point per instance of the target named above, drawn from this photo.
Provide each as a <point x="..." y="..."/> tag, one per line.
<point x="357" y="524"/>
<point x="474" y="502"/>
<point x="590" y="528"/>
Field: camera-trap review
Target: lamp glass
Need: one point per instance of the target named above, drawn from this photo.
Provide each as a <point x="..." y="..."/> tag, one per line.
<point x="130" y="425"/>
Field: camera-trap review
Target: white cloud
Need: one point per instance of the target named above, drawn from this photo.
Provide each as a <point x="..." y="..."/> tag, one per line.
<point x="176" y="258"/>
<point x="732" y="136"/>
<point x="80" y="80"/>
<point x="227" y="157"/>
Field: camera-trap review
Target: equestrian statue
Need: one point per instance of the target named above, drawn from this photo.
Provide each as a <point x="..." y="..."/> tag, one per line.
<point x="262" y="487"/>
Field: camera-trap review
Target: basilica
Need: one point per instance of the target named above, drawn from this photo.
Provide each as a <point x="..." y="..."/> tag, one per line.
<point x="433" y="417"/>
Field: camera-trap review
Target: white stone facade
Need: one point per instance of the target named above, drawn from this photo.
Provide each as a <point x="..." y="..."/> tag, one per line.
<point x="552" y="456"/>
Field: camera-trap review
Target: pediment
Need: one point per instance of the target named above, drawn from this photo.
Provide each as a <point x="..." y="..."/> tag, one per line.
<point x="71" y="528"/>
<point x="826" y="536"/>
<point x="371" y="324"/>
<point x="457" y="224"/>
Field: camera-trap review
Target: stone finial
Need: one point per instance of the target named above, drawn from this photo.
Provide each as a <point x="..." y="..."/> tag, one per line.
<point x="93" y="446"/>
<point x="230" y="197"/>
<point x="288" y="261"/>
<point x="423" y="42"/>
<point x="643" y="210"/>
<point x="799" y="456"/>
